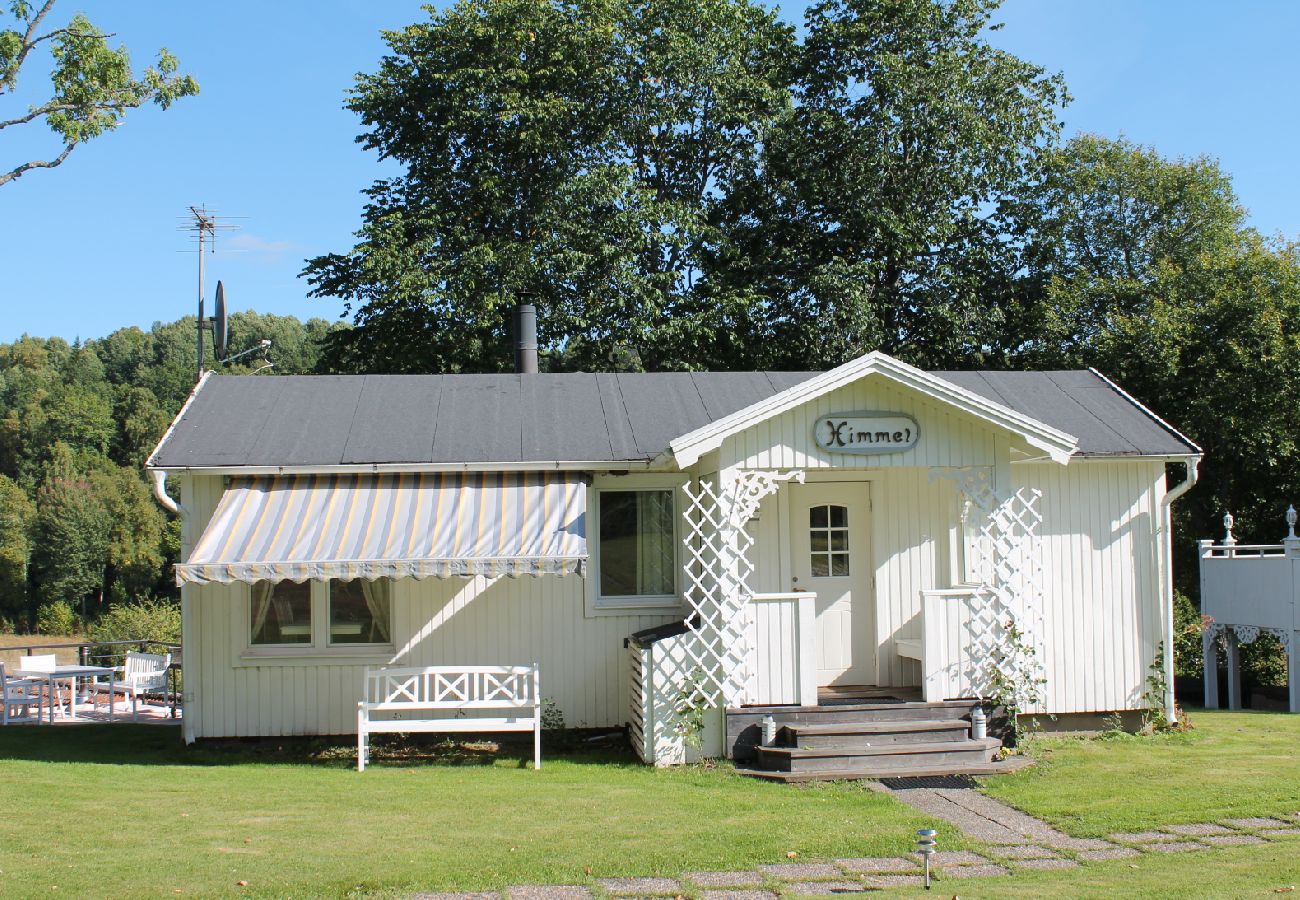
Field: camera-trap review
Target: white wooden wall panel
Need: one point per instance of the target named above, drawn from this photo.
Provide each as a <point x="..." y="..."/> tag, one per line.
<point x="435" y="622"/>
<point x="1102" y="615"/>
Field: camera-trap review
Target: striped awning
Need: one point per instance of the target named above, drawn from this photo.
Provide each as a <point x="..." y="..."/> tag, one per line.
<point x="396" y="525"/>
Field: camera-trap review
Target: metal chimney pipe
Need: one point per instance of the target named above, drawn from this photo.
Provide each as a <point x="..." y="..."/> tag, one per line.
<point x="526" y="339"/>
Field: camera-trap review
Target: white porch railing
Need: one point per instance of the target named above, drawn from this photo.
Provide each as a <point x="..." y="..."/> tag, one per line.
<point x="954" y="647"/>
<point x="1247" y="590"/>
<point x="782" y="638"/>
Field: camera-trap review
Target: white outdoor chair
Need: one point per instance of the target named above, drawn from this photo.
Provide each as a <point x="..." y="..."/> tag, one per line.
<point x="144" y="673"/>
<point x="18" y="693"/>
<point x="44" y="662"/>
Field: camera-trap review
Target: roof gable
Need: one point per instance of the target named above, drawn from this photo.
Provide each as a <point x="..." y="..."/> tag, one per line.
<point x="1057" y="444"/>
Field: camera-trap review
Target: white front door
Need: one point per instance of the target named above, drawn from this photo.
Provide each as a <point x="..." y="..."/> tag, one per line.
<point x="830" y="544"/>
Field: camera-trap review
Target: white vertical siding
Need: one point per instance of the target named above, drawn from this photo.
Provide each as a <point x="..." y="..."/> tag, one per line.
<point x="435" y="622"/>
<point x="1101" y="589"/>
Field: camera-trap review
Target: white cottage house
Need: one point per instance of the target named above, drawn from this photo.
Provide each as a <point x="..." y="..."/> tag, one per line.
<point x="737" y="545"/>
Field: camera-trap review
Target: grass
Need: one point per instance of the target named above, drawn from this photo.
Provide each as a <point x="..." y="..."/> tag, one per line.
<point x="1232" y="764"/>
<point x="11" y="657"/>
<point x="126" y="811"/>
<point x="121" y="810"/>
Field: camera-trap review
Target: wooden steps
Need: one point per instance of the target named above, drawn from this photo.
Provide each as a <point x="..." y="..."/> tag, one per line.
<point x="862" y="740"/>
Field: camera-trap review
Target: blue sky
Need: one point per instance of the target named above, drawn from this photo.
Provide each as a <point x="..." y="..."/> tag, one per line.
<point x="93" y="245"/>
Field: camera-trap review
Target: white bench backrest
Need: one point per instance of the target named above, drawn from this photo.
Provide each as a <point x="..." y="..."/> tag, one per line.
<point x="453" y="687"/>
<point x="146" y="669"/>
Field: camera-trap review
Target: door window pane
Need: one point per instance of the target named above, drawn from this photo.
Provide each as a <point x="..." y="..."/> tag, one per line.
<point x="281" y="613"/>
<point x="636" y="543"/>
<point x="828" y="541"/>
<point x="360" y="612"/>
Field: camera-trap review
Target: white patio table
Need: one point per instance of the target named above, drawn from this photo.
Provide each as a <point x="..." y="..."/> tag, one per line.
<point x="70" y="674"/>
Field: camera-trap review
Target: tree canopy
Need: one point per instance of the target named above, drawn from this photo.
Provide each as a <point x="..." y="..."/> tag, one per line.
<point x="77" y="421"/>
<point x="91" y="84"/>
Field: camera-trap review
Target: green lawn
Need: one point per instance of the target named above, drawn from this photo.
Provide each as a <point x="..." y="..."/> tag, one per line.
<point x="126" y="811"/>
<point x="1232" y="764"/>
<point x="121" y="810"/>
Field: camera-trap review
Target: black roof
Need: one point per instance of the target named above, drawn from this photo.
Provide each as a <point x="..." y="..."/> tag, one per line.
<point x="329" y="420"/>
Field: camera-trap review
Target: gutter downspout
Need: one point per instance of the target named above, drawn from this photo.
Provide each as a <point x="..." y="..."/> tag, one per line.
<point x="1167" y="588"/>
<point x="159" y="478"/>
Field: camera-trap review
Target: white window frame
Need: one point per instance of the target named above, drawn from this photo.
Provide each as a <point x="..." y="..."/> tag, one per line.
<point x="633" y="605"/>
<point x="320" y="648"/>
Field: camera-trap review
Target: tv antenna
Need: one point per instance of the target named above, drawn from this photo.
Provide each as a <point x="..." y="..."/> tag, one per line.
<point x="204" y="223"/>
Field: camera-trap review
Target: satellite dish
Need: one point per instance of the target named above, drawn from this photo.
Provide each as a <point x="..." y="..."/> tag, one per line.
<point x="220" y="325"/>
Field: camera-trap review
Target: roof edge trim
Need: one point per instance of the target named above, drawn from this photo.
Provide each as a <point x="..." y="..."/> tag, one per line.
<point x="1197" y="451"/>
<point x="1060" y="446"/>
<point x="550" y="465"/>
<point x="185" y="407"/>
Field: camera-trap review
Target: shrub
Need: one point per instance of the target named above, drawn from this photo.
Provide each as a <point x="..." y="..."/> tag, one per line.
<point x="145" y="619"/>
<point x="56" y="618"/>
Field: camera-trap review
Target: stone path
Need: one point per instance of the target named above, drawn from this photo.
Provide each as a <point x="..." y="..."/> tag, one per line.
<point x="1014" y="842"/>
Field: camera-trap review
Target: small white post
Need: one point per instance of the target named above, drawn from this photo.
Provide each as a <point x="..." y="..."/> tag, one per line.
<point x="1232" y="650"/>
<point x="1210" y="652"/>
<point x="1293" y="670"/>
<point x="1291" y="542"/>
<point x="1228" y="539"/>
<point x="537" y="711"/>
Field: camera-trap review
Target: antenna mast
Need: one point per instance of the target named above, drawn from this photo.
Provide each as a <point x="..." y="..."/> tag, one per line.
<point x="204" y="222"/>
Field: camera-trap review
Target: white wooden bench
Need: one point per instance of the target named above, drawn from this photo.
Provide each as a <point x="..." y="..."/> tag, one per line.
<point x="435" y="698"/>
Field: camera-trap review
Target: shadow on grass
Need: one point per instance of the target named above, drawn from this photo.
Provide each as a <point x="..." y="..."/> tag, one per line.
<point x="150" y="745"/>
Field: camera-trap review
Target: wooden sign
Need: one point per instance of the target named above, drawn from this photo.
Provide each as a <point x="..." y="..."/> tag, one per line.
<point x="866" y="432"/>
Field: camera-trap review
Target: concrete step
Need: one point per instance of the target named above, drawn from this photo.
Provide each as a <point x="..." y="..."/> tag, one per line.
<point x="852" y="735"/>
<point x="744" y="724"/>
<point x="867" y="771"/>
<point x="897" y="759"/>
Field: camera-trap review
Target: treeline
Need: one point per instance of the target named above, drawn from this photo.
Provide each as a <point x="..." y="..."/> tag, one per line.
<point x="79" y="529"/>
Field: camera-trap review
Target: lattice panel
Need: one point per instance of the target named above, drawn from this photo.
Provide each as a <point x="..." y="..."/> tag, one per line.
<point x="718" y="571"/>
<point x="1007" y="560"/>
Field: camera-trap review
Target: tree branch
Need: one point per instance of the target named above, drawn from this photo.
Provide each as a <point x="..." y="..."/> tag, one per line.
<point x="29" y="41"/>
<point x="36" y="164"/>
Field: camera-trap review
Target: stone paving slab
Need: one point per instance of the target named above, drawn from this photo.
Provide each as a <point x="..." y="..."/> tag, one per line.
<point x="737" y="895"/>
<point x="821" y="888"/>
<point x="724" y="879"/>
<point x="896" y="880"/>
<point x="548" y="892"/>
<point x="1111" y="853"/>
<point x="1056" y="863"/>
<point x="954" y="858"/>
<point x="1174" y="847"/>
<point x="1025" y="851"/>
<point x="1230" y="840"/>
<point x="1197" y="830"/>
<point x="1254" y="822"/>
<point x="801" y="871"/>
<point x="486" y="895"/>
<point x="641" y="885"/>
<point x="974" y="871"/>
<point x="1281" y="832"/>
<point x="877" y="864"/>
<point x="1139" y="837"/>
<point x="1069" y="843"/>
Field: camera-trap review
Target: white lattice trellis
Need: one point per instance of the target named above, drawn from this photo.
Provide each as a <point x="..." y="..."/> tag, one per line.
<point x="1004" y="557"/>
<point x="718" y="570"/>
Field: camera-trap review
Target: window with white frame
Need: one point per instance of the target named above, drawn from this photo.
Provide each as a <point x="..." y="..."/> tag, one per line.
<point x="320" y="614"/>
<point x="636" y="547"/>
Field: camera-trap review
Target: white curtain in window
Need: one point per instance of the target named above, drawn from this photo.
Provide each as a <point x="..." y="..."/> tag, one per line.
<point x="261" y="604"/>
<point x="655" y="542"/>
<point x="380" y="605"/>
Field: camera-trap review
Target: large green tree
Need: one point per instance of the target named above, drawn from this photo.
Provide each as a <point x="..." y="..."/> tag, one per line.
<point x="874" y="221"/>
<point x="568" y="151"/>
<point x="91" y="84"/>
